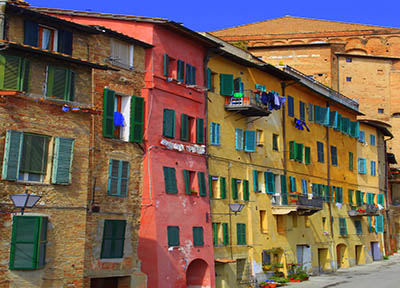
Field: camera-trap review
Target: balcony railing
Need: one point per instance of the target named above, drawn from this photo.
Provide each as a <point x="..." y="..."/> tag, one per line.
<point x="366" y="210"/>
<point x="249" y="105"/>
<point x="300" y="204"/>
<point x="315" y="202"/>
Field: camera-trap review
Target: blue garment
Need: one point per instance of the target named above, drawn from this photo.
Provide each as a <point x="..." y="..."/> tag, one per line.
<point x="118" y="119"/>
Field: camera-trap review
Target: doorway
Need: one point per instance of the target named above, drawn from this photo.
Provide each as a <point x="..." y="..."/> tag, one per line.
<point x="359" y="255"/>
<point x="303" y="253"/>
<point x="323" y="264"/>
<point x="376" y="251"/>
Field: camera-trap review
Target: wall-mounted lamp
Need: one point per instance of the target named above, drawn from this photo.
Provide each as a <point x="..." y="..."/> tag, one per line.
<point x="24" y="200"/>
<point x="236" y="207"/>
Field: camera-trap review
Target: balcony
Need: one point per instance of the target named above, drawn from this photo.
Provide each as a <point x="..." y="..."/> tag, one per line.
<point x="366" y="210"/>
<point x="249" y="105"/>
<point x="302" y="205"/>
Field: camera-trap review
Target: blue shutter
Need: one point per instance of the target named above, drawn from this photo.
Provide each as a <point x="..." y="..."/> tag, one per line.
<point x="379" y="224"/>
<point x="249" y="141"/>
<point x="361" y="137"/>
<point x="238" y="139"/>
<point x="304" y="186"/>
<point x="292" y="184"/>
<point x="373" y="168"/>
<point x="310" y="112"/>
<point x="372" y="140"/>
<point x="302" y="111"/>
<point x="290" y="106"/>
<point x="212" y="133"/>
<point x="317" y="114"/>
<point x="325" y="116"/>
<point x="269" y="179"/>
<point x="166" y="65"/>
<point x="12" y="155"/>
<point x="31" y="33"/>
<point x="333" y="119"/>
<point x="62" y="161"/>
<point x="218" y="134"/>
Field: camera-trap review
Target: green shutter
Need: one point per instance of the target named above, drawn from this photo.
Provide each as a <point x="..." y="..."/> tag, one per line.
<point x="225" y="233"/>
<point x="123" y="185"/>
<point x="137" y="119"/>
<point x="215" y="234"/>
<point x="184" y="127"/>
<point x="11" y="72"/>
<point x="59" y="83"/>
<point x="299" y="152"/>
<point x="169" y="123"/>
<point x="381" y="199"/>
<point x="181" y="70"/>
<point x="62" y="161"/>
<point x="173" y="235"/>
<point x="292" y="150"/>
<point x="202" y="184"/>
<point x="249" y="141"/>
<point x="222" y="187"/>
<point x="226" y="84"/>
<point x="255" y="181"/>
<point x="379" y="224"/>
<point x="209" y="79"/>
<point x="166" y="65"/>
<point x="108" y="113"/>
<point x="293" y="185"/>
<point x="269" y="179"/>
<point x="210" y="187"/>
<point x="186" y="176"/>
<point x="358" y="198"/>
<point x="234" y="189"/>
<point x="198" y="237"/>
<point x="34" y="154"/>
<point x="351" y="161"/>
<point x="12" y="155"/>
<point x="170" y="180"/>
<point x="246" y="194"/>
<point x="113" y="239"/>
<point x="307" y="151"/>
<point x="199" y="131"/>
<point x="350" y="196"/>
<point x="284" y="190"/>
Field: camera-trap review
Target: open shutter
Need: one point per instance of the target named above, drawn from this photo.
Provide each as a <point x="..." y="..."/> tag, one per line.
<point x="108" y="113"/>
<point x="31" y="33"/>
<point x="199" y="131"/>
<point x="210" y="187"/>
<point x="12" y="155"/>
<point x="292" y="150"/>
<point x="290" y="106"/>
<point x="325" y="116"/>
<point x="225" y="233"/>
<point x="124" y="179"/>
<point x="222" y="187"/>
<point x="293" y="185"/>
<point x="381" y="200"/>
<point x="246" y="194"/>
<point x="62" y="161"/>
<point x="284" y="190"/>
<point x="10" y="72"/>
<point x="302" y="111"/>
<point x="218" y="134"/>
<point x="299" y="152"/>
<point x="307" y="158"/>
<point x="310" y="112"/>
<point x="186" y="176"/>
<point x="235" y="195"/>
<point x="238" y="139"/>
<point x="185" y="127"/>
<point x="202" y="184"/>
<point x="215" y="234"/>
<point x="255" y="181"/>
<point x="226" y="84"/>
<point x="333" y="119"/>
<point x="181" y="70"/>
<point x="64" y="42"/>
<point x="351" y="161"/>
<point x="270" y="182"/>
<point x="209" y="79"/>
<point x="188" y="74"/>
<point x="169" y="123"/>
<point x="137" y="116"/>
<point x="317" y="114"/>
<point x="166" y="65"/>
<point x="304" y="186"/>
<point x="250" y="141"/>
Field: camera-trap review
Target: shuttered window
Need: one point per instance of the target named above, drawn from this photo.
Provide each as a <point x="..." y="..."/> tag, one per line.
<point x="235" y="192"/>
<point x="14" y="73"/>
<point x="290" y="106"/>
<point x="215" y="233"/>
<point x="239" y="139"/>
<point x="334" y="160"/>
<point x="370" y="198"/>
<point x="361" y="137"/>
<point x="304" y="186"/>
<point x="284" y="190"/>
<point x="339" y="194"/>
<point x="241" y="233"/>
<point x="350" y="196"/>
<point x="293" y="187"/>
<point x="62" y="160"/>
<point x="310" y="112"/>
<point x="292" y="150"/>
<point x="379" y="224"/>
<point x="320" y="152"/>
<point x="186" y="177"/>
<point x="118" y="178"/>
<point x="373" y="168"/>
<point x="199" y="131"/>
<point x="166" y="65"/>
<point x="327" y="195"/>
<point x="325" y="116"/>
<point x="226" y="84"/>
<point x="185" y="127"/>
<point x="362" y="166"/>
<point x="302" y="111"/>
<point x="108" y="113"/>
<point x="246" y="192"/>
<point x="60" y="83"/>
<point x="269" y="182"/>
<point x="137" y="119"/>
<point x="170" y="180"/>
<point x="215" y="133"/>
<point x="358" y="227"/>
<point x="169" y="123"/>
<point x="333" y="119"/>
<point x="113" y="239"/>
<point x="351" y="161"/>
<point x="209" y="80"/>
<point x="307" y="158"/>
<point x="381" y="199"/>
<point x="249" y="141"/>
<point x="173" y="236"/>
<point x="202" y="184"/>
<point x="198" y="236"/>
<point x="255" y="181"/>
<point x="190" y="75"/>
<point x="28" y="243"/>
<point x="181" y="70"/>
<point x="299" y="152"/>
<point x="34" y="154"/>
<point x="354" y="129"/>
<point x="225" y="234"/>
<point x="222" y="187"/>
<point x="372" y="140"/>
<point x="342" y="227"/>
<point x="346" y="125"/>
<point x="275" y="142"/>
<point x="359" y="200"/>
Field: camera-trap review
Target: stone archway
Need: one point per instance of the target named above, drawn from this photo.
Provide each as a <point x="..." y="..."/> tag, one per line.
<point x="198" y="274"/>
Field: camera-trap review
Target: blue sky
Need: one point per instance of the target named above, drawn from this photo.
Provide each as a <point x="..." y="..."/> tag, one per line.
<point x="209" y="15"/>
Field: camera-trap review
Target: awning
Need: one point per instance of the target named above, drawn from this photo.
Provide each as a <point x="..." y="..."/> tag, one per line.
<point x="224" y="261"/>
<point x="283" y="210"/>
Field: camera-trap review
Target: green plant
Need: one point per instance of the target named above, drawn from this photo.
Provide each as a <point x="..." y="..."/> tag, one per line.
<point x="385" y="257"/>
<point x="279" y="279"/>
<point x="278" y="265"/>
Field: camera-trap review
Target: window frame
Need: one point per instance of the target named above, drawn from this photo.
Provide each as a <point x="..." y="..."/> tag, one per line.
<point x="113" y="239"/>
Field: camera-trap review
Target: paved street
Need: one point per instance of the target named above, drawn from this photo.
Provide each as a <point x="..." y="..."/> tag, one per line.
<point x="382" y="274"/>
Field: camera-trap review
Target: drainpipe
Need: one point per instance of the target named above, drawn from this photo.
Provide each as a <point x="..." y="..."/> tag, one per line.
<point x="2" y="19"/>
<point x="283" y="85"/>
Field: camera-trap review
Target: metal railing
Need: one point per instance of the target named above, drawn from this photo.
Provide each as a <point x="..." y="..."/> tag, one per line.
<point x="249" y="99"/>
<point x="315" y="202"/>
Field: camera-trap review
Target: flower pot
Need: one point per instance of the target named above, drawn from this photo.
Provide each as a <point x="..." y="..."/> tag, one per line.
<point x="305" y="279"/>
<point x="272" y="285"/>
<point x="295" y="280"/>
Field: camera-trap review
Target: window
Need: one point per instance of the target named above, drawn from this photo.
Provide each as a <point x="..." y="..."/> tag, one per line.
<point x="381" y="199"/>
<point x="334" y="156"/>
<point x="370" y="198"/>
<point x="259" y="138"/>
<point x="170" y="180"/>
<point x="246" y="194"/>
<point x="241" y="233"/>
<point x="380" y="110"/>
<point x="225" y="234"/>
<point x="339" y="194"/>
<point x="226" y="84"/>
<point x="123" y="117"/>
<point x="290" y="106"/>
<point x="235" y="188"/>
<point x="348" y="79"/>
<point x="269" y="182"/>
<point x="263" y="221"/>
<point x="28" y="242"/>
<point x="350" y="196"/>
<point x="14" y="73"/>
<point x="169" y="123"/>
<point x="190" y="183"/>
<point x="361" y="137"/>
<point x="304" y="186"/>
<point x="349" y="60"/>
<point x="293" y="187"/>
<point x="238" y="87"/>
<point x="372" y="140"/>
<point x="307" y="158"/>
<point x="173" y="236"/>
<point x="310" y="112"/>
<point x="359" y="198"/>
<point x="47" y="38"/>
<point x="200" y="131"/>
<point x="362" y="166"/>
<point x="222" y="187"/>
<point x="351" y="161"/>
<point x="358" y="227"/>
<point x="320" y="151"/>
<point x="256" y="186"/>
<point x="113" y="239"/>
<point x="333" y="119"/>
<point x="296" y="151"/>
<point x="180" y="70"/>
<point x="249" y="141"/>
<point x="190" y="75"/>
<point x="121" y="54"/>
<point x="26" y="157"/>
<point x="216" y="233"/>
<point x="60" y="83"/>
<point x="210" y="80"/>
<point x="266" y="257"/>
<point x="342" y="227"/>
<point x="327" y="194"/>
<point x="215" y="133"/>
<point x="118" y="178"/>
<point x="275" y="140"/>
<point x="238" y="139"/>
<point x="373" y="168"/>
<point x="198" y="236"/>
<point x="302" y="111"/>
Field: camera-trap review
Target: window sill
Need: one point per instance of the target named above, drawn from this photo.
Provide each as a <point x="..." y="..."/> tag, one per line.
<point x="31" y="183"/>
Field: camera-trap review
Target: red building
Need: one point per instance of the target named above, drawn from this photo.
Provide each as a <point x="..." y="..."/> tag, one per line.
<point x="175" y="238"/>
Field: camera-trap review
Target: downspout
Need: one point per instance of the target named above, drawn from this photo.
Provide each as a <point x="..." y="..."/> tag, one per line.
<point x="337" y="69"/>
<point x="386" y="195"/>
<point x="283" y="86"/>
<point x="3" y="4"/>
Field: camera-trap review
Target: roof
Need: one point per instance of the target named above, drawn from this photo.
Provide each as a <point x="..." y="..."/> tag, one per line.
<point x="292" y="25"/>
<point x="35" y="50"/>
<point x="321" y="43"/>
<point x="367" y="56"/>
<point x="384" y="127"/>
<point x="121" y="36"/>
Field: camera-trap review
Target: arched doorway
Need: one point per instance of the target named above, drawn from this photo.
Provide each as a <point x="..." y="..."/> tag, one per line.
<point x="341" y="256"/>
<point x="198" y="274"/>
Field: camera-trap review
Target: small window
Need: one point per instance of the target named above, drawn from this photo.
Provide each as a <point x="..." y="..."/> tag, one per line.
<point x="380" y="110"/>
<point x="194" y="185"/>
<point x="334" y="156"/>
<point x="349" y="60"/>
<point x="60" y="83"/>
<point x="121" y="54"/>
<point x="47" y="38"/>
<point x="358" y="227"/>
<point x="275" y="142"/>
<point x="372" y="140"/>
<point x="342" y="227"/>
<point x="241" y="233"/>
<point x="173" y="236"/>
<point x="198" y="236"/>
<point x="215" y="133"/>
<point x="259" y="138"/>
<point x="113" y="239"/>
<point x="118" y="178"/>
<point x="348" y="79"/>
<point x="320" y="150"/>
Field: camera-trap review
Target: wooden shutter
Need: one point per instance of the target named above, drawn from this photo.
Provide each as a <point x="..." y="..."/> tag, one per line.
<point x="64" y="42"/>
<point x="170" y="180"/>
<point x="31" y="33"/>
<point x="361" y="137"/>
<point x="215" y="234"/>
<point x="212" y="133"/>
<point x="12" y="155"/>
<point x="334" y="155"/>
<point x="166" y="65"/>
<point x="184" y="127"/>
<point x="34" y="154"/>
<point x="333" y="119"/>
<point x="188" y="74"/>
<point x="307" y="158"/>
<point x="210" y="187"/>
<point x="181" y="70"/>
<point x="290" y="106"/>
<point x="225" y="233"/>
<point x="381" y="199"/>
<point x="199" y="131"/>
<point x="293" y="185"/>
<point x="310" y="112"/>
<point x="373" y="168"/>
<point x="304" y="186"/>
<point x="10" y="72"/>
<point x="354" y="129"/>
<point x="302" y="111"/>
<point x="62" y="161"/>
<point x="238" y="139"/>
<point x="320" y="150"/>
<point x="113" y="177"/>
<point x="249" y="141"/>
<point x="173" y="235"/>
<point x="246" y="194"/>
<point x="137" y="119"/>
<point x="379" y="224"/>
<point x="218" y="134"/>
<point x="59" y="83"/>
<point x="108" y="113"/>
<point x="186" y="176"/>
<point x="325" y="116"/>
<point x="299" y="152"/>
<point x="284" y="190"/>
<point x="169" y="123"/>
<point x="350" y="196"/>
<point x="292" y="150"/>
<point x="358" y="198"/>
<point x="339" y="123"/>
<point x="235" y="195"/>
<point x="113" y="239"/>
<point x="202" y="184"/>
<point x="222" y="187"/>
<point x="255" y="181"/>
<point x="198" y="236"/>
<point x="270" y="182"/>
<point x="351" y="161"/>
<point x="124" y="178"/>
<point x="209" y="79"/>
<point x="226" y="84"/>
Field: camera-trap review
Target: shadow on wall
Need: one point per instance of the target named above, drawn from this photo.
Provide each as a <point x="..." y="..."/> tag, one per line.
<point x="198" y="274"/>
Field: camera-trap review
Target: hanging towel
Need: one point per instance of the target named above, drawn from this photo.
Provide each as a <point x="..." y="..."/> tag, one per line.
<point x="339" y="205"/>
<point x="277" y="101"/>
<point x="118" y="119"/>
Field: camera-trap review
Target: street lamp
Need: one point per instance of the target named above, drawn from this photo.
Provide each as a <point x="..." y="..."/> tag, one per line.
<point x="236" y="207"/>
<point x="24" y="200"/>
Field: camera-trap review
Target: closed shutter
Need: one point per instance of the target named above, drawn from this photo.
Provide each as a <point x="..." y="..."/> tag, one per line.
<point x="226" y="84"/>
<point x="350" y="196"/>
<point x="12" y="155"/>
<point x="108" y="113"/>
<point x="358" y="226"/>
<point x="124" y="181"/>
<point x="11" y="72"/>
<point x="351" y="161"/>
<point x="185" y="127"/>
<point x="113" y="239"/>
<point x="293" y="187"/>
<point x="31" y="33"/>
<point x="304" y="186"/>
<point x="218" y="134"/>
<point x="320" y="151"/>
<point x="358" y="198"/>
<point x="118" y="179"/>
<point x="60" y="83"/>
<point x="169" y="123"/>
<point x="34" y="154"/>
<point x="310" y="112"/>
<point x="333" y="119"/>
<point x="299" y="152"/>
<point x="64" y="42"/>
<point x="327" y="197"/>
<point x="137" y="119"/>
<point x="302" y="111"/>
<point x="381" y="200"/>
<point x="270" y="182"/>
<point x="334" y="155"/>
<point x="166" y="65"/>
<point x="181" y="70"/>
<point x="170" y="180"/>
<point x="62" y="161"/>
<point x="307" y="151"/>
<point x="246" y="194"/>
<point x="212" y="133"/>
<point x="317" y="114"/>
<point x="241" y="233"/>
<point x="200" y="131"/>
<point x="222" y="187"/>
<point x="238" y="139"/>
<point x="249" y="141"/>
<point x="292" y="150"/>
<point x="361" y="136"/>
<point x="225" y="233"/>
<point x="215" y="234"/>
<point x="173" y="235"/>
<point x="373" y="168"/>
<point x="210" y="187"/>
<point x="186" y="176"/>
<point x="339" y="123"/>
<point x="235" y="195"/>
<point x="284" y="190"/>
<point x="342" y="226"/>
<point x="379" y="224"/>
<point x="209" y="79"/>
<point x="372" y="140"/>
<point x="198" y="238"/>
<point x="255" y="181"/>
<point x="202" y="184"/>
<point x="290" y="106"/>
